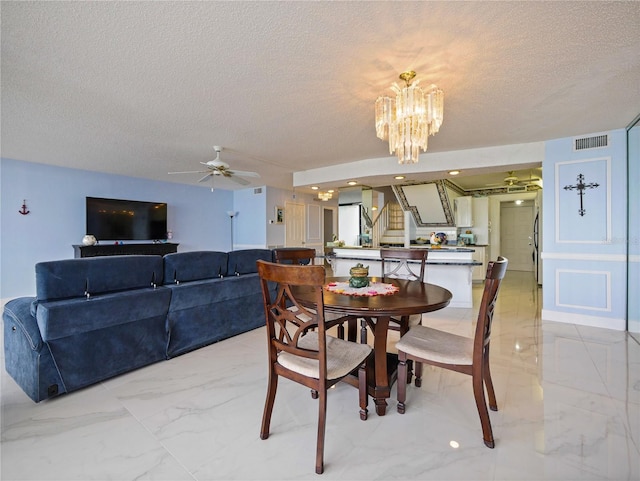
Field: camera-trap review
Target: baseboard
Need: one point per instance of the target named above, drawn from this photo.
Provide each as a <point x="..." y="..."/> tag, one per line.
<point x="583" y="320"/>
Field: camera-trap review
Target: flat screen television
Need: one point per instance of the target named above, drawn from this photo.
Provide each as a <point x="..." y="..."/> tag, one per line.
<point x="116" y="219"/>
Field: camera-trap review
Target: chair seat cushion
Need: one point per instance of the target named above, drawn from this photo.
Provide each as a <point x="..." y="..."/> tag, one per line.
<point x="435" y="345"/>
<point x="342" y="357"/>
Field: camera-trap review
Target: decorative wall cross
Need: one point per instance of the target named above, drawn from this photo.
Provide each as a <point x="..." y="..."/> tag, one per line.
<point x="580" y="187"/>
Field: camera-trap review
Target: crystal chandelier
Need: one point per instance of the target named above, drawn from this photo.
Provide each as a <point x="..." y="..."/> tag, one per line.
<point x="325" y="196"/>
<point x="409" y="119"/>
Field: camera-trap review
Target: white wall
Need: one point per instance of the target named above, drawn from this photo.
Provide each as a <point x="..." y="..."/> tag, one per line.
<point x="55" y="197"/>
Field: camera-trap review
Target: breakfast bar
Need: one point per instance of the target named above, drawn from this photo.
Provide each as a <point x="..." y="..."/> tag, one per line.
<point x="448" y="267"/>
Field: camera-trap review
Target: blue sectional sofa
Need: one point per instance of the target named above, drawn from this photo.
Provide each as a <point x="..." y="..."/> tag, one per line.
<point x="95" y="318"/>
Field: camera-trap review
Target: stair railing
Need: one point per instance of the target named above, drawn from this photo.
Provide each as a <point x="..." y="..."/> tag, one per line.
<point x="380" y="224"/>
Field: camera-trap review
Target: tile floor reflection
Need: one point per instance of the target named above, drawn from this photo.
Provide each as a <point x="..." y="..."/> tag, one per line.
<point x="569" y="400"/>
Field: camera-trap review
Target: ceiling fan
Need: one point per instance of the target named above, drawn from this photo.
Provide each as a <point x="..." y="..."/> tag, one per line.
<point x="218" y="167"/>
<point x="512" y="180"/>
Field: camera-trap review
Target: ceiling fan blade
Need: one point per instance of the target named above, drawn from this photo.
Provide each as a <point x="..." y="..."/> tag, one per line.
<point x="206" y="177"/>
<point x="220" y="168"/>
<point x="243" y="173"/>
<point x="239" y="180"/>
<point x="189" y="172"/>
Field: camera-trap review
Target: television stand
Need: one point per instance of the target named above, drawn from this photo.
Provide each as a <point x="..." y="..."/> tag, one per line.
<point x="151" y="249"/>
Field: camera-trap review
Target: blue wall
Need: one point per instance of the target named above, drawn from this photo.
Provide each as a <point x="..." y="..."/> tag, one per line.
<point x="250" y="220"/>
<point x="584" y="256"/>
<point x="55" y="197"/>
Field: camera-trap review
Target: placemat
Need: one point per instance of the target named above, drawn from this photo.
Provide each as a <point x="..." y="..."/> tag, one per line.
<point x="373" y="289"/>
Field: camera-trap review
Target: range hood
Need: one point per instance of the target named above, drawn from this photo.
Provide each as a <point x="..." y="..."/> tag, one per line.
<point x="430" y="203"/>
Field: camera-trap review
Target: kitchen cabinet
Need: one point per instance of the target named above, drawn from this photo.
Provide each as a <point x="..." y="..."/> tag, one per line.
<point x="463" y="210"/>
<point x="481" y="254"/>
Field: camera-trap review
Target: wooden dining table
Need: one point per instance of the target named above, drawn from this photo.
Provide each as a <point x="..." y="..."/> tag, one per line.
<point x="412" y="297"/>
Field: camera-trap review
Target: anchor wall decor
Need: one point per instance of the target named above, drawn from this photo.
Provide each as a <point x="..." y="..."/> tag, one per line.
<point x="24" y="210"/>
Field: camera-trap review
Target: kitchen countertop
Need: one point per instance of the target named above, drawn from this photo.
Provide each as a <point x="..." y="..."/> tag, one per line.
<point x="450" y="248"/>
<point x="427" y="262"/>
<point x="369" y="254"/>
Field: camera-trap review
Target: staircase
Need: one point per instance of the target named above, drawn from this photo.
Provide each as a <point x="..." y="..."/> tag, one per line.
<point x="388" y="226"/>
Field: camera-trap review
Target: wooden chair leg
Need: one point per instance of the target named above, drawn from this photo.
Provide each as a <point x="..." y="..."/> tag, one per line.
<point x="268" y="405"/>
<point x="352" y="329"/>
<point x="363" y="386"/>
<point x="493" y="405"/>
<point x="481" y="404"/>
<point x="363" y="331"/>
<point x="322" y="419"/>
<point x="402" y="386"/>
<point x="418" y="373"/>
<point x="404" y="328"/>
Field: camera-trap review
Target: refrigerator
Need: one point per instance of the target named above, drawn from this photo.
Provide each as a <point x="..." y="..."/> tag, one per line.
<point x="537" y="239"/>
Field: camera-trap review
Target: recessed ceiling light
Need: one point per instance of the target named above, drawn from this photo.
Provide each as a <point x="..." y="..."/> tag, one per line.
<point x="454" y="172"/>
<point x="352" y="182"/>
<point x="314" y="187"/>
<point x="399" y="177"/>
<point x="331" y="191"/>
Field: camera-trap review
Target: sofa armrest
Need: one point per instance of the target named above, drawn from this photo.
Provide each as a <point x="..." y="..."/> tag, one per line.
<point x="18" y="312"/>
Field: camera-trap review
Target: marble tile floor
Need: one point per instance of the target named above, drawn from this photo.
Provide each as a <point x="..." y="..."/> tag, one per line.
<point x="568" y="398"/>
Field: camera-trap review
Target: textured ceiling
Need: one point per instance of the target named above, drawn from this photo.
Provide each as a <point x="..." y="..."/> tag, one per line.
<point x="144" y="88"/>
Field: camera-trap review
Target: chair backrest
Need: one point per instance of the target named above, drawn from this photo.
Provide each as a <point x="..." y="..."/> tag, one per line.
<point x="495" y="273"/>
<point x="294" y="255"/>
<point x="287" y="320"/>
<point x="400" y="267"/>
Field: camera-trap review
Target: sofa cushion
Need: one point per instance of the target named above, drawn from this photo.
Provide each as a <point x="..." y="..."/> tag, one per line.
<point x="244" y="261"/>
<point x="69" y="278"/>
<point x="194" y="266"/>
<point x="206" y="311"/>
<point x="69" y="317"/>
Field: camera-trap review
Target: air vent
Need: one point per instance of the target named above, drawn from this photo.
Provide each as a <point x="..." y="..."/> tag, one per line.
<point x="516" y="188"/>
<point x="594" y="142"/>
<point x="258" y="190"/>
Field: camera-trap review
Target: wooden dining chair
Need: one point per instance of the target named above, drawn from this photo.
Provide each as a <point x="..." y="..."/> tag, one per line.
<point x="306" y="256"/>
<point x="299" y="348"/>
<point x="294" y="255"/>
<point x="395" y="264"/>
<point x="425" y="345"/>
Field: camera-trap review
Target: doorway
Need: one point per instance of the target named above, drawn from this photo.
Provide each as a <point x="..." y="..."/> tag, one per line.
<point x="328" y="225"/>
<point x="516" y="234"/>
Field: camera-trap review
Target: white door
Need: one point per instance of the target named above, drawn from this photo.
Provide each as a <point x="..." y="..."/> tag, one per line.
<point x="516" y="235"/>
<point x="294" y="222"/>
<point x="314" y="227"/>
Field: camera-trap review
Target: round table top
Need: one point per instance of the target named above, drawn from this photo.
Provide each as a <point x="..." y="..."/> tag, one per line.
<point x="413" y="297"/>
